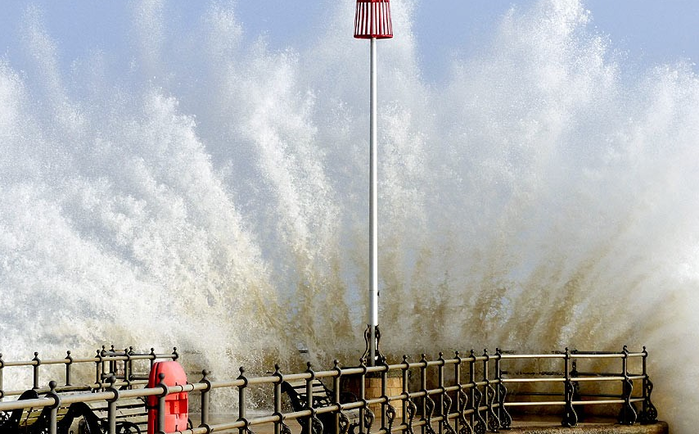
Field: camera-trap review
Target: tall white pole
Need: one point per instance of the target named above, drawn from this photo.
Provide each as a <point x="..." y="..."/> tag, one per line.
<point x="373" y="216"/>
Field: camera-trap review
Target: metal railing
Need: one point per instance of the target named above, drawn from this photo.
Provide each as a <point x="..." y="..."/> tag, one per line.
<point x="127" y="365"/>
<point x="472" y="394"/>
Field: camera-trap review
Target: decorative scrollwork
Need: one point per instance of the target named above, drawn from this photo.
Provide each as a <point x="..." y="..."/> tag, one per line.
<point x="316" y="426"/>
<point x="411" y="410"/>
<point x="505" y="417"/>
<point x="493" y="420"/>
<point x="368" y="419"/>
<point x="128" y="428"/>
<point x="367" y="339"/>
<point x="284" y="428"/>
<point x="479" y="427"/>
<point x="446" y="408"/>
<point x="570" y="418"/>
<point x="4" y="417"/>
<point x="343" y="422"/>
<point x="493" y="423"/>
<point x="628" y="414"/>
<point x="429" y="409"/>
<point x="649" y="413"/>
<point x="464" y="424"/>
<point x="390" y="416"/>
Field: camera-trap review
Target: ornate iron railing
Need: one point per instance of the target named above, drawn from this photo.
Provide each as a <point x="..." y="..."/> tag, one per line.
<point x="126" y="365"/>
<point x="459" y="394"/>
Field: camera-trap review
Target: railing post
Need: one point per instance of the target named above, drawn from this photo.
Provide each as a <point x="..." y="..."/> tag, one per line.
<point x="570" y="418"/>
<point x="427" y="405"/>
<point x="649" y="413"/>
<point x="457" y="382"/>
<point x="69" y="364"/>
<point x="627" y="415"/>
<point x="127" y="367"/>
<point x="37" y="362"/>
<point x="409" y="407"/>
<point x="112" y="362"/>
<point x="580" y="409"/>
<point x="112" y="405"/>
<point x="472" y="382"/>
<point x="362" y="395"/>
<point x="242" y="405"/>
<point x="103" y="364"/>
<point x="445" y="402"/>
<point x="477" y="421"/>
<point x="388" y="412"/>
<point x="53" y="418"/>
<point x="205" y="401"/>
<point x="161" y="405"/>
<point x="98" y="362"/>
<point x="336" y="396"/>
<point x="278" y="399"/>
<point x="131" y="353"/>
<point x="2" y="368"/>
<point x="492" y="420"/>
<point x="503" y="414"/>
<point x="314" y="425"/>
<point x="440" y="385"/>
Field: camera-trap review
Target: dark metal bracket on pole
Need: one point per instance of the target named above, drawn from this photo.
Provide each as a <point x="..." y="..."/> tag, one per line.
<point x="373" y="335"/>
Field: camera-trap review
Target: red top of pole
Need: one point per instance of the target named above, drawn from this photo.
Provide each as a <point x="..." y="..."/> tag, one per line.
<point x="373" y="19"/>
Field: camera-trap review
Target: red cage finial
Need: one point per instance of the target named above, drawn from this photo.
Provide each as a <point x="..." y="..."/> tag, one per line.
<point x="373" y="19"/>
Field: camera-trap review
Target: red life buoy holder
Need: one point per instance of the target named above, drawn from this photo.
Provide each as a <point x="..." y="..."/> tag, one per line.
<point x="176" y="404"/>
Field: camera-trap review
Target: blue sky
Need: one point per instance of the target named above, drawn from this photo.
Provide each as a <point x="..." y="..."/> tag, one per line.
<point x="649" y="31"/>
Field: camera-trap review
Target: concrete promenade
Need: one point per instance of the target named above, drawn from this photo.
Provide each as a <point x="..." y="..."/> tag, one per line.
<point x="538" y="427"/>
<point x="543" y="425"/>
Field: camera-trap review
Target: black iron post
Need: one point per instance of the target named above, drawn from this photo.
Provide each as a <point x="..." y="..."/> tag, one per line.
<point x="649" y="413"/>
<point x="503" y="414"/>
<point x="112" y="405"/>
<point x="2" y="368"/>
<point x="362" y="395"/>
<point x="627" y="415"/>
<point x="37" y="362"/>
<point x="205" y="400"/>
<point x="69" y="363"/>
<point x="491" y="418"/>
<point x="160" y="428"/>
<point x="440" y="384"/>
<point x="242" y="414"/>
<point x="409" y="407"/>
<point x="53" y="417"/>
<point x="336" y="395"/>
<point x="570" y="418"/>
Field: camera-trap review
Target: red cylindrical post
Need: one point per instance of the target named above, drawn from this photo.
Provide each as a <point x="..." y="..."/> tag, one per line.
<point x="373" y="19"/>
